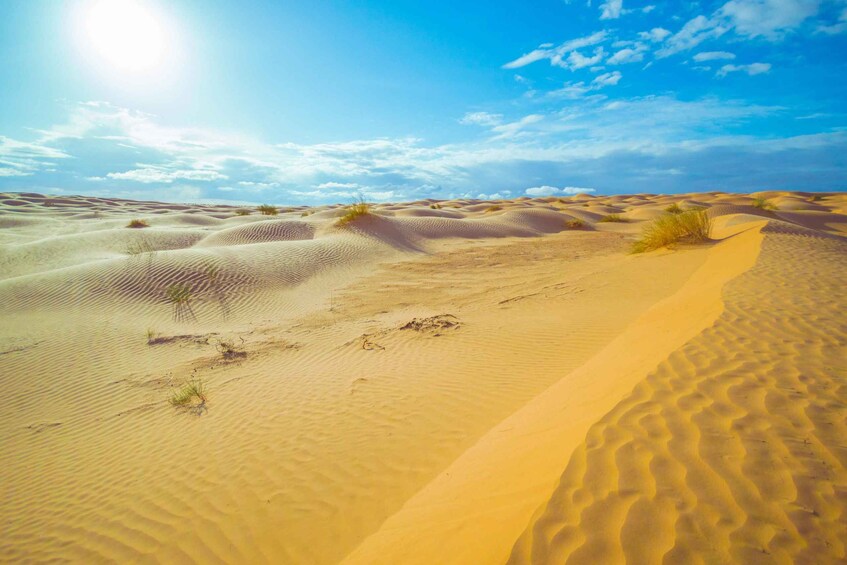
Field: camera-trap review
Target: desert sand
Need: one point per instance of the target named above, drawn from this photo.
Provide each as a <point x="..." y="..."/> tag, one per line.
<point x="458" y="381"/>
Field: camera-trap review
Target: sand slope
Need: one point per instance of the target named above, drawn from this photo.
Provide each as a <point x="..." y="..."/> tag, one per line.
<point x="451" y="382"/>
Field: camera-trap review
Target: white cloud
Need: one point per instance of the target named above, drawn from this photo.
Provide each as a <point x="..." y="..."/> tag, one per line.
<point x="693" y="33"/>
<point x="768" y="18"/>
<point x="751" y="69"/>
<point x="611" y="9"/>
<point x="10" y="172"/>
<point x="626" y="56"/>
<point x="546" y="190"/>
<point x="332" y="185"/>
<point x="607" y="79"/>
<point x="512" y="129"/>
<point x="159" y="175"/>
<point x="580" y="89"/>
<point x="577" y="60"/>
<point x="655" y="35"/>
<point x="557" y="55"/>
<point x="481" y="119"/>
<point x="713" y="56"/>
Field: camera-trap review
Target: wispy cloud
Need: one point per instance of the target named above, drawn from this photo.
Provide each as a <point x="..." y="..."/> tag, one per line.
<point x="611" y="9"/>
<point x="547" y="190"/>
<point x="558" y="56"/>
<point x="713" y="56"/>
<point x="481" y="119"/>
<point x="751" y="69"/>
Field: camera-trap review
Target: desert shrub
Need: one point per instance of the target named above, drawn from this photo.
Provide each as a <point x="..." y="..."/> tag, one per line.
<point x="495" y="208"/>
<point x="763" y="204"/>
<point x="612" y="218"/>
<point x="179" y="295"/>
<point x="191" y="392"/>
<point x="138" y="224"/>
<point x="691" y="226"/>
<point x="242" y="212"/>
<point x="575" y="224"/>
<point x="267" y="210"/>
<point x="817" y="197"/>
<point x="353" y="211"/>
<point x="435" y="206"/>
<point x="674" y="209"/>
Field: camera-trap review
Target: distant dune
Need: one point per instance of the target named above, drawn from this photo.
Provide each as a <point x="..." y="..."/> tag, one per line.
<point x="455" y="381"/>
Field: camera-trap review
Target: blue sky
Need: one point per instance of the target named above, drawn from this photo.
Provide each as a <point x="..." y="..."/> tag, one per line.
<point x="308" y="102"/>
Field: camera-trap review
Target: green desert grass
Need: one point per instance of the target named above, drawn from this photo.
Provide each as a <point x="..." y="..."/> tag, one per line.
<point x="674" y="209"/>
<point x="613" y="218"/>
<point x="353" y="211"/>
<point x="190" y="392"/>
<point x="691" y="226"/>
<point x="267" y="210"/>
<point x="763" y="204"/>
<point x="138" y="224"/>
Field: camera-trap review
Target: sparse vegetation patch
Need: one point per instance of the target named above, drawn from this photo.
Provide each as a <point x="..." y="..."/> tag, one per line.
<point x="690" y="226"/>
<point x="613" y="218"/>
<point x="179" y="295"/>
<point x="228" y="349"/>
<point x="495" y="208"/>
<point x="191" y="394"/>
<point x="242" y="212"/>
<point x="138" y="224"/>
<point x="354" y="211"/>
<point x="674" y="209"/>
<point x="268" y="210"/>
<point x="763" y="204"/>
<point x="575" y="224"/>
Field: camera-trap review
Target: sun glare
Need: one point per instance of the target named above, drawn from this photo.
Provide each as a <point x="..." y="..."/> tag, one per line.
<point x="126" y="34"/>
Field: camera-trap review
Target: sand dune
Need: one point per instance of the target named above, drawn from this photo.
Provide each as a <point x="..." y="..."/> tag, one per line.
<point x="434" y="382"/>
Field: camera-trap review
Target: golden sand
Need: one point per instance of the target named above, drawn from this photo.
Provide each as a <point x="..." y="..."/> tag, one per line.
<point x="424" y="384"/>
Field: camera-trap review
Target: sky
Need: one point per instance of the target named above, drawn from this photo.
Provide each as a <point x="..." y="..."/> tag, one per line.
<point x="314" y="101"/>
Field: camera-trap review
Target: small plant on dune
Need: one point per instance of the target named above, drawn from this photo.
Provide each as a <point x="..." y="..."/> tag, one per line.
<point x="179" y="295"/>
<point x="674" y="209"/>
<point x="575" y="224"/>
<point x="268" y="210"/>
<point x="306" y="213"/>
<point x="817" y="197"/>
<point x="151" y="336"/>
<point x="139" y="247"/>
<point x="435" y="206"/>
<point x="690" y="226"/>
<point x="138" y="224"/>
<point x="613" y="218"/>
<point x="495" y="208"/>
<point x="353" y="211"/>
<point x="242" y="212"/>
<point x="763" y="204"/>
<point x="191" y="393"/>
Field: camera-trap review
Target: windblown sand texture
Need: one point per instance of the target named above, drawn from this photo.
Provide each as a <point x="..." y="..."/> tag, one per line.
<point x="450" y="382"/>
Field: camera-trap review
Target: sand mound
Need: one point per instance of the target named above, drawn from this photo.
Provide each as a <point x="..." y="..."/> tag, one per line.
<point x="260" y="232"/>
<point x="724" y="453"/>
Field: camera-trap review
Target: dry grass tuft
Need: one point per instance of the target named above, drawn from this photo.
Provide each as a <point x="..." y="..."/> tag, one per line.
<point x="674" y="209"/>
<point x="354" y="211"/>
<point x="763" y="204"/>
<point x="495" y="208"/>
<point x="192" y="393"/>
<point x="179" y="295"/>
<point x="575" y="224"/>
<point x="242" y="212"/>
<point x="613" y="218"/>
<point x="435" y="206"/>
<point x="691" y="226"/>
<point x="267" y="210"/>
<point x="138" y="224"/>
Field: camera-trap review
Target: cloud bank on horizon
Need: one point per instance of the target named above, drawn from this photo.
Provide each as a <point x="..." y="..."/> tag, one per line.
<point x="606" y="97"/>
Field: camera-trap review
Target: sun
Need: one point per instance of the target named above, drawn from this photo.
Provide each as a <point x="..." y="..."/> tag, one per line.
<point x="125" y="33"/>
